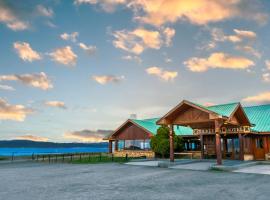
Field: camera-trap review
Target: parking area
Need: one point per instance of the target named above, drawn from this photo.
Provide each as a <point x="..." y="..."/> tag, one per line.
<point x="31" y="181"/>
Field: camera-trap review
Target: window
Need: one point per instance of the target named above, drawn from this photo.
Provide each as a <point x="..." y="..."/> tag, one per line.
<point x="134" y="144"/>
<point x="121" y="144"/>
<point x="259" y="143"/>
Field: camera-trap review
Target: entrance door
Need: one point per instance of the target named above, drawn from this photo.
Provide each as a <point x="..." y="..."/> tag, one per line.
<point x="232" y="148"/>
<point x="259" y="153"/>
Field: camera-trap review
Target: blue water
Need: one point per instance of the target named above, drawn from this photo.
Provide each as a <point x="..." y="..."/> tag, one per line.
<point x="30" y="151"/>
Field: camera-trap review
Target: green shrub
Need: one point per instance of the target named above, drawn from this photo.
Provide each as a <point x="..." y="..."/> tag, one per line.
<point x="160" y="143"/>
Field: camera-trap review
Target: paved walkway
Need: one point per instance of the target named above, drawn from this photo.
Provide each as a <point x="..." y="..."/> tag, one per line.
<point x="204" y="166"/>
<point x="144" y="163"/>
<point x="257" y="169"/>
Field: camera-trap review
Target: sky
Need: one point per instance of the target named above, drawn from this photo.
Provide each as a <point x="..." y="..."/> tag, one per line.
<point x="72" y="70"/>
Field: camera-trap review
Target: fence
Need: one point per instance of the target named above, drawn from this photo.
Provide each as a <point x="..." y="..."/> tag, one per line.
<point x="71" y="157"/>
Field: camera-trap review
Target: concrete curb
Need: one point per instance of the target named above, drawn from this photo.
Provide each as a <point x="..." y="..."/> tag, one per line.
<point x="234" y="167"/>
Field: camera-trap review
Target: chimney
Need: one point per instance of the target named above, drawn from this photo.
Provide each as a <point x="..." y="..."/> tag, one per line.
<point x="133" y="116"/>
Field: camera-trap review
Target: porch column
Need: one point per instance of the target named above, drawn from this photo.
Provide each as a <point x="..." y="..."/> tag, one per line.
<point x="218" y="142"/>
<point x="171" y="143"/>
<point x="202" y="146"/>
<point x="224" y="146"/>
<point x="241" y="146"/>
<point x="110" y="146"/>
<point x="116" y="145"/>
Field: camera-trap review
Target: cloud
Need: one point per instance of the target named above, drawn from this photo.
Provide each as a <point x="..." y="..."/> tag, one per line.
<point x="200" y="12"/>
<point x="107" y="5"/>
<point x="209" y="104"/>
<point x="13" y="112"/>
<point x="25" y="52"/>
<point x="168" y="60"/>
<point x="58" y="104"/>
<point x="266" y="77"/>
<point x="260" y="98"/>
<point x="132" y="58"/>
<point x="72" y="36"/>
<point x="50" y="24"/>
<point x="88" y="49"/>
<point x="43" y="11"/>
<point x="64" y="56"/>
<point x="87" y="135"/>
<point x="250" y="50"/>
<point x="108" y="79"/>
<point x="218" y="35"/>
<point x="138" y="40"/>
<point x="267" y="64"/>
<point x="6" y="87"/>
<point x="34" y="80"/>
<point x="32" y="138"/>
<point x="9" y="17"/>
<point x="162" y="74"/>
<point x="218" y="60"/>
<point x="169" y="34"/>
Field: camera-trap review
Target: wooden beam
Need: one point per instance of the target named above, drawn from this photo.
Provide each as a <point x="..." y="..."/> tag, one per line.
<point x="202" y="146"/>
<point x="224" y="147"/>
<point x="110" y="146"/>
<point x="171" y="143"/>
<point x="241" y="146"/>
<point x="218" y="124"/>
<point x="116" y="145"/>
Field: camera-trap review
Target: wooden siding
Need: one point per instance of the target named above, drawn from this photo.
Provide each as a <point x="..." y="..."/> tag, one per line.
<point x="132" y="132"/>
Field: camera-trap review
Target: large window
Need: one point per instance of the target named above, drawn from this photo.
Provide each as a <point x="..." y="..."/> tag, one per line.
<point x="259" y="143"/>
<point x="134" y="144"/>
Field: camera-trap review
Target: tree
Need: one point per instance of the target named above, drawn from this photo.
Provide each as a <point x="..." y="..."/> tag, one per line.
<point x="160" y="143"/>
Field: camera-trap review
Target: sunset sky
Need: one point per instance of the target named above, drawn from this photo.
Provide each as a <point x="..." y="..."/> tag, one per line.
<point x="70" y="69"/>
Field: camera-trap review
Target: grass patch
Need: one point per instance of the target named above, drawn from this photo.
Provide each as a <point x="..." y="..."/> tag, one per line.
<point x="3" y="158"/>
<point x="101" y="159"/>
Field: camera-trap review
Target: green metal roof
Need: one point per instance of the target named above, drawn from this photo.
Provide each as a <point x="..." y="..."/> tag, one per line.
<point x="223" y="109"/>
<point x="258" y="115"/>
<point x="151" y="126"/>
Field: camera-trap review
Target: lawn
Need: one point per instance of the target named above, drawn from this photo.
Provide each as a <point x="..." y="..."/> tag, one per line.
<point x="3" y="158"/>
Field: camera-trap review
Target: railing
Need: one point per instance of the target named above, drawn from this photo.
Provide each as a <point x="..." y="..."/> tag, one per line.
<point x="69" y="157"/>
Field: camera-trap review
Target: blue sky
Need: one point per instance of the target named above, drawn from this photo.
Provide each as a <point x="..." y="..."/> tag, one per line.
<point x="71" y="69"/>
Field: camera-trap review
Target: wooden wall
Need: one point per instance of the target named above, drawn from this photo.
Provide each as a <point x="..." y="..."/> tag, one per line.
<point x="132" y="132"/>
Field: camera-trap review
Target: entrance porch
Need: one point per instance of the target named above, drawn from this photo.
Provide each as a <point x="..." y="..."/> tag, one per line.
<point x="221" y="130"/>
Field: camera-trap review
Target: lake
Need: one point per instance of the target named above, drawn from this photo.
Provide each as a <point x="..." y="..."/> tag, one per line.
<point x="40" y="151"/>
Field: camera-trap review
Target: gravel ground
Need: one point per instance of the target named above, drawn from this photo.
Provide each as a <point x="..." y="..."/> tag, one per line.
<point x="34" y="181"/>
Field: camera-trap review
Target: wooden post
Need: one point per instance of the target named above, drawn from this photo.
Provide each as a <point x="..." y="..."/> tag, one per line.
<point x="233" y="149"/>
<point x="224" y="147"/>
<point x="218" y="142"/>
<point x="265" y="144"/>
<point x="110" y="146"/>
<point x="241" y="146"/>
<point x="116" y="145"/>
<point x="171" y="143"/>
<point x="202" y="146"/>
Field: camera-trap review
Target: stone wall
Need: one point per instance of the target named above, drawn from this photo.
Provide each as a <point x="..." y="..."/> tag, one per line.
<point x="135" y="153"/>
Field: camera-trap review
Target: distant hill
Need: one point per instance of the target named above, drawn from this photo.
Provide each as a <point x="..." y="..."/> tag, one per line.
<point x="33" y="144"/>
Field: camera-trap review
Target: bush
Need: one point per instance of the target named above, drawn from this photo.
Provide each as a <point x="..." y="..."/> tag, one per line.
<point x="160" y="143"/>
